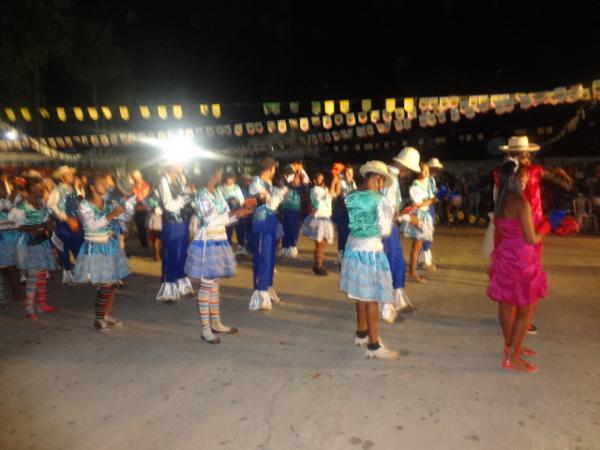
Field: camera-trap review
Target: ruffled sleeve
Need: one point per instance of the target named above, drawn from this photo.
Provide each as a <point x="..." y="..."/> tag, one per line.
<point x="208" y="214"/>
<point x="88" y="219"/>
<point x="385" y="217"/>
<point x="416" y="194"/>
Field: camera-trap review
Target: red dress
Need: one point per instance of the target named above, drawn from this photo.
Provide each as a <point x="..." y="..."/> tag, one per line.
<point x="516" y="274"/>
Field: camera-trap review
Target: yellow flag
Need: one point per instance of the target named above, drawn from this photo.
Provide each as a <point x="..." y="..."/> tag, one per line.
<point x="409" y="104"/>
<point x="62" y="114"/>
<point x="344" y="106"/>
<point x="162" y="112"/>
<point x="366" y="105"/>
<point x="204" y="109"/>
<point x="124" y="112"/>
<point x="390" y="104"/>
<point x="145" y="112"/>
<point x="93" y="112"/>
<point x="216" y="110"/>
<point x="106" y="112"/>
<point x="44" y="113"/>
<point x="177" y="112"/>
<point x="329" y="107"/>
<point x="26" y="114"/>
<point x="78" y="111"/>
<point x="10" y="114"/>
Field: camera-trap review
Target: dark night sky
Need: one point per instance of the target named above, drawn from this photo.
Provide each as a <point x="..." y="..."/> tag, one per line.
<point x="301" y="50"/>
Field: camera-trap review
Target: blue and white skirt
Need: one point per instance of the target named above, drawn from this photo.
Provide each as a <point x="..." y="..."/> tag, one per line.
<point x="8" y="247"/>
<point x="34" y="257"/>
<point x="365" y="273"/>
<point x="425" y="230"/>
<point x="318" y="229"/>
<point x="210" y="259"/>
<point x="101" y="263"/>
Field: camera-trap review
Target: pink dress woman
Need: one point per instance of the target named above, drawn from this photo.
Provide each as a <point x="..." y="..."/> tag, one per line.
<point x="516" y="274"/>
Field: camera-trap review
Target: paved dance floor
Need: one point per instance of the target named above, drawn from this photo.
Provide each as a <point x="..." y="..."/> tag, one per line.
<point x="292" y="379"/>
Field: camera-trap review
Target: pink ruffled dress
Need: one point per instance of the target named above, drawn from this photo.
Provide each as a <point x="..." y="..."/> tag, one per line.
<point x="516" y="274"/>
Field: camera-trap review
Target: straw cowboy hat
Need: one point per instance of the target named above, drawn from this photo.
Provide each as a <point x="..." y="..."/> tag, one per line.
<point x="379" y="168"/>
<point x="62" y="170"/>
<point x="409" y="157"/>
<point x="519" y="144"/>
<point x="435" y="163"/>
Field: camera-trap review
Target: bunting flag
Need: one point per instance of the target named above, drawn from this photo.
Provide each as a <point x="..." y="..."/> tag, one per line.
<point x="329" y="107"/>
<point x="78" y="112"/>
<point x="409" y="104"/>
<point x="315" y="107"/>
<point x="390" y="105"/>
<point x="293" y="124"/>
<point x="204" y="109"/>
<point x="219" y="130"/>
<point x="407" y="124"/>
<point x="124" y="112"/>
<point x="216" y="110"/>
<point x="10" y="114"/>
<point x="344" y="106"/>
<point x="399" y="113"/>
<point x="351" y="119"/>
<point x="387" y="116"/>
<point x="144" y="111"/>
<point x="304" y="126"/>
<point x="398" y="126"/>
<point x="338" y="119"/>
<point x="362" y="117"/>
<point x="282" y="126"/>
<point x="259" y="127"/>
<point x="294" y="107"/>
<point x="316" y="121"/>
<point x="62" y="114"/>
<point x="162" y="112"/>
<point x="454" y="115"/>
<point x="375" y="116"/>
<point x="366" y="105"/>
<point x="360" y="131"/>
<point x="370" y="130"/>
<point x="177" y="112"/>
<point x="238" y="129"/>
<point x="327" y="122"/>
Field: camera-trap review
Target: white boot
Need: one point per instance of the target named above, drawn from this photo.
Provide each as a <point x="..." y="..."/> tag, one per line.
<point x="388" y="313"/>
<point x="273" y="296"/>
<point x="293" y="253"/>
<point x="402" y="302"/>
<point x="381" y="353"/>
<point x="260" y="301"/>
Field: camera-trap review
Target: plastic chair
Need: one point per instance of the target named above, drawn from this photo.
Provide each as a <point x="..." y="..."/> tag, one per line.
<point x="582" y="210"/>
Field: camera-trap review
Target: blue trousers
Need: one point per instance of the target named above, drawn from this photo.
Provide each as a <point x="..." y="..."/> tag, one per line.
<point x="291" y="227"/>
<point x="264" y="244"/>
<point x="72" y="242"/>
<point x="395" y="256"/>
<point x="341" y="220"/>
<point x="175" y="242"/>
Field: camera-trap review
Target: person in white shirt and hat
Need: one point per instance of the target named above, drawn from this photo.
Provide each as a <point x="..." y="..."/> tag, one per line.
<point x="405" y="163"/>
<point x="63" y="202"/>
<point x="426" y="257"/>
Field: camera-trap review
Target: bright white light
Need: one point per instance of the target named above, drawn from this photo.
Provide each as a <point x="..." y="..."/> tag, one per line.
<point x="12" y="135"/>
<point x="181" y="149"/>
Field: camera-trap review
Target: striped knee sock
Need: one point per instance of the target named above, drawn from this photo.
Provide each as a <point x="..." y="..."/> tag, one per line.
<point x="30" y="288"/>
<point x="215" y="314"/>
<point x="42" y="288"/>
<point x="204" y="308"/>
<point x="103" y="295"/>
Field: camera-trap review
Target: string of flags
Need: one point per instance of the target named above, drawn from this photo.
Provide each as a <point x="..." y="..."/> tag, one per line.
<point x="435" y="109"/>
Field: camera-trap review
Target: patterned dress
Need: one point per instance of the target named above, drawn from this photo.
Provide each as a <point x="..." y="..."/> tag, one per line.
<point x="318" y="226"/>
<point x="33" y="253"/>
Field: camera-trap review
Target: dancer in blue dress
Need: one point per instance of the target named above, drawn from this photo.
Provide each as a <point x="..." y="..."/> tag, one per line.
<point x="9" y="235"/>
<point x="365" y="274"/>
<point x="421" y="199"/>
<point x="296" y="180"/>
<point x="101" y="260"/>
<point x="175" y="204"/>
<point x="209" y="256"/>
<point x="264" y="235"/>
<point x="403" y="165"/>
<point x="34" y="251"/>
<point x="426" y="257"/>
<point x="62" y="201"/>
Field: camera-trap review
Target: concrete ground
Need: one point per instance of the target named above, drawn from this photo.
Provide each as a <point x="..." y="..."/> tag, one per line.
<point x="293" y="380"/>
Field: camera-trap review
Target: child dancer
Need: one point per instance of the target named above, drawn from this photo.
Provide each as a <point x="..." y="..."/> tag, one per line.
<point x="318" y="226"/>
<point x="209" y="257"/>
<point x="296" y="179"/>
<point x="234" y="197"/>
<point x="517" y="280"/>
<point x="426" y="257"/>
<point x="63" y="204"/>
<point x="365" y="275"/>
<point x="9" y="235"/>
<point x="345" y="185"/>
<point x="419" y="194"/>
<point x="34" y="250"/>
<point x="264" y="235"/>
<point x="101" y="260"/>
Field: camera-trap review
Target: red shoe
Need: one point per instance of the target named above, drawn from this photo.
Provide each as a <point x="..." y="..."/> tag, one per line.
<point x="31" y="316"/>
<point x="509" y="365"/>
<point x="47" y="308"/>
<point x="524" y="351"/>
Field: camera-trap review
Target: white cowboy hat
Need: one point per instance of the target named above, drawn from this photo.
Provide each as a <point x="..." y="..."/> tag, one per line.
<point x="377" y="167"/>
<point x="58" y="173"/>
<point x="409" y="157"/>
<point x="519" y="144"/>
<point x="435" y="163"/>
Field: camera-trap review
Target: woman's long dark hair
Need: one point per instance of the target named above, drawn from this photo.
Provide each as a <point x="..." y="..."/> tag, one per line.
<point x="510" y="183"/>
